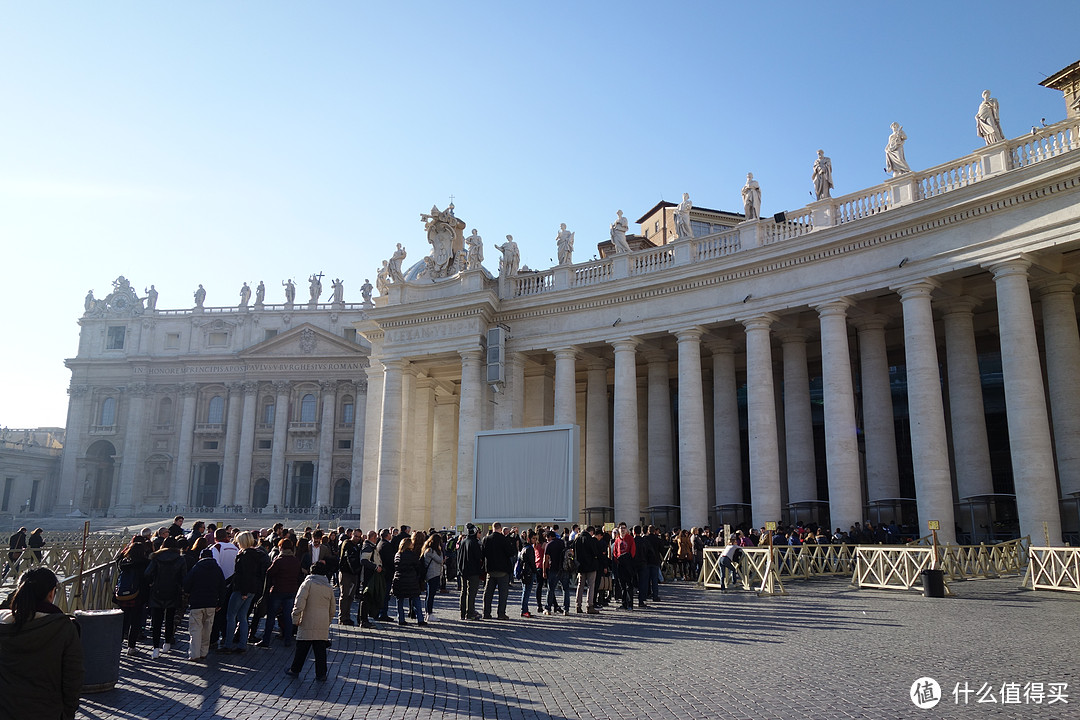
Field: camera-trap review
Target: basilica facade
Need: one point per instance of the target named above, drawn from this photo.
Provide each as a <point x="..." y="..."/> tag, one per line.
<point x="906" y="353"/>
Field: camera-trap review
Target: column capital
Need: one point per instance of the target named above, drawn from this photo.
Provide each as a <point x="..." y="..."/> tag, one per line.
<point x="693" y="333"/>
<point x="328" y="387"/>
<point x="917" y="289"/>
<point x="396" y="364"/>
<point x="1055" y="284"/>
<point x="249" y="387"/>
<point x="593" y="362"/>
<point x="281" y="387"/>
<point x="837" y="306"/>
<point x="188" y="390"/>
<point x="720" y="346"/>
<point x="1014" y="266"/>
<point x="869" y="323"/>
<point x="470" y="356"/>
<point x="964" y="304"/>
<point x="566" y="352"/>
<point x="792" y="335"/>
<point x="627" y="344"/>
<point x="78" y="390"/>
<point x="139" y="389"/>
<point x="653" y="354"/>
<point x="373" y="371"/>
<point x="759" y="322"/>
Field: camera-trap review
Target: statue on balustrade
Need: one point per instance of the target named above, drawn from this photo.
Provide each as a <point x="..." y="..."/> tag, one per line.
<point x="89" y="302"/>
<point x="200" y="297"/>
<point x="394" y="267"/>
<point x="511" y="257"/>
<point x="618" y="233"/>
<point x="895" y="162"/>
<point x="988" y="120"/>
<point x="314" y="288"/>
<point x="338" y="288"/>
<point x="382" y="278"/>
<point x="683" y="229"/>
<point x="751" y="198"/>
<point x="822" y="176"/>
<point x="290" y="291"/>
<point x="474" y="254"/>
<point x="445" y="234"/>
<point x="565" y="243"/>
<point x="151" y="297"/>
<point x="365" y="291"/>
<point x="245" y="295"/>
<point x="260" y="294"/>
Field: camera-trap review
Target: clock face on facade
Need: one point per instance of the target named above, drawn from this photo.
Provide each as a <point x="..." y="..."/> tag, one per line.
<point x="120" y="302"/>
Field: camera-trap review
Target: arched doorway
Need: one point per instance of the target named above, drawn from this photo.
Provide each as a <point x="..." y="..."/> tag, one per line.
<point x="100" y="468"/>
<point x="341" y="493"/>
<point x="303" y="482"/>
<point x="260" y="493"/>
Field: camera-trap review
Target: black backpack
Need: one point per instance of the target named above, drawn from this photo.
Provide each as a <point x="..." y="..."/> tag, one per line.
<point x="127" y="584"/>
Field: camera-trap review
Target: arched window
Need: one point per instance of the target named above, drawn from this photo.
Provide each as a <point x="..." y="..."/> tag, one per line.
<point x="164" y="412"/>
<point x="108" y="412"/>
<point x="307" y="409"/>
<point x="216" y="412"/>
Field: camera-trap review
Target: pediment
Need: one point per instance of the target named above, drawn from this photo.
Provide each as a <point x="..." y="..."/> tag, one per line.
<point x="305" y="341"/>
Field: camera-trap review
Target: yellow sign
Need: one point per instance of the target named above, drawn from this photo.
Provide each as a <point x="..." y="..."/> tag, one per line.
<point x="933" y="525"/>
<point x="770" y="525"/>
<point x="608" y="527"/>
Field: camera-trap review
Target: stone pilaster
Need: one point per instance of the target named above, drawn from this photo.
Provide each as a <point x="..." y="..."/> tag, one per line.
<point x="372" y="443"/>
<point x="597" y="436"/>
<point x="469" y="419"/>
<point x="232" y="441"/>
<point x="386" y="498"/>
<point x="281" y="440"/>
<point x="242" y="495"/>
<point x="626" y="467"/>
<point x="325" y="479"/>
<point x="181" y="489"/>
<point x="133" y="435"/>
<point x="661" y="461"/>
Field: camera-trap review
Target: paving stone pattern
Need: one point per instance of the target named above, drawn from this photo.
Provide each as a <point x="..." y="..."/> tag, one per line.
<point x="824" y="651"/>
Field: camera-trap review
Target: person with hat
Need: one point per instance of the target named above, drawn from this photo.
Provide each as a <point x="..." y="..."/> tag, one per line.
<point x="470" y="559"/>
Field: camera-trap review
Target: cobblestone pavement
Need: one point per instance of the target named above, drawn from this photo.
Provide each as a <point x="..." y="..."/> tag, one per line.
<point x="823" y="651"/>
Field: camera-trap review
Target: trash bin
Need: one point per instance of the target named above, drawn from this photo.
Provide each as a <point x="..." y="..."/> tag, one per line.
<point x="933" y="583"/>
<point x="102" y="639"/>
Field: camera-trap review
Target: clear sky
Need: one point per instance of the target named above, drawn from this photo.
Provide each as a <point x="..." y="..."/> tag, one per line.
<point x="222" y="142"/>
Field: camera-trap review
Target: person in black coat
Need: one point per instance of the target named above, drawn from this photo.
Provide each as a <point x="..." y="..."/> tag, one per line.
<point x="586" y="551"/>
<point x="135" y="558"/>
<point x="470" y="563"/>
<point x="406" y="583"/>
<point x="205" y="585"/>
<point x="498" y="562"/>
<point x="165" y="575"/>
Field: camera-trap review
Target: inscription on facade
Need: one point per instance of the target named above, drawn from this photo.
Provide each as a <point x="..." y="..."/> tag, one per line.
<point x="289" y="367"/>
<point x="430" y="332"/>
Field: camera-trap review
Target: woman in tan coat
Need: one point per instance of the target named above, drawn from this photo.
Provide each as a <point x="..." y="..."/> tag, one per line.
<point x="312" y="613"/>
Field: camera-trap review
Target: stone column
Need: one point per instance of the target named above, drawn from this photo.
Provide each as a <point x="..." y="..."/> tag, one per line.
<point x="325" y="480"/>
<point x="727" y="450"/>
<point x="181" y="490"/>
<point x="565" y="385"/>
<point x="841" y="438"/>
<point x="798" y="422"/>
<point x="231" y="443"/>
<point x="693" y="487"/>
<point x="1025" y="401"/>
<point x="78" y="423"/>
<point x="134" y="430"/>
<point x="419" y="498"/>
<point x="356" y="476"/>
<point x="539" y="394"/>
<point x="1062" y="342"/>
<point x="407" y="482"/>
<point x="761" y="409"/>
<point x="661" y="461"/>
<point x="386" y="497"/>
<point x="971" y="449"/>
<point x="626" y="432"/>
<point x="280" y="443"/>
<point x="515" y="388"/>
<point x="242" y="496"/>
<point x="930" y="455"/>
<point x="882" y="469"/>
<point x="597" y="437"/>
<point x="444" y="461"/>
<point x="372" y="444"/>
<point x="469" y="418"/>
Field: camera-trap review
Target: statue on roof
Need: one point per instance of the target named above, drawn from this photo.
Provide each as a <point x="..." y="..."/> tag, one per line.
<point x="751" y="198"/>
<point x="618" y="233"/>
<point x="988" y="120"/>
<point x="895" y="162"/>
<point x="564" y="242"/>
<point x="683" y="229"/>
<point x="822" y="176"/>
<point x="445" y="234"/>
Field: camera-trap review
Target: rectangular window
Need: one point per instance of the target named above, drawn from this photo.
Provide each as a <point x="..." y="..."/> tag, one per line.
<point x="344" y="444"/>
<point x="348" y="413"/>
<point x="218" y="339"/>
<point x="350" y="334"/>
<point x="114" y="340"/>
<point x="9" y="483"/>
<point x="266" y="444"/>
<point x="269" y="334"/>
<point x="210" y="445"/>
<point x="268" y="414"/>
<point x="172" y="341"/>
<point x="34" y="494"/>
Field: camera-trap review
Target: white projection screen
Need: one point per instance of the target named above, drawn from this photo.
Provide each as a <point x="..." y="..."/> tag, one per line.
<point x="526" y="475"/>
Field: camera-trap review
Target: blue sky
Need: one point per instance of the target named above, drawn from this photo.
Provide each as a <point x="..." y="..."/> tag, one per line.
<point x="224" y="142"/>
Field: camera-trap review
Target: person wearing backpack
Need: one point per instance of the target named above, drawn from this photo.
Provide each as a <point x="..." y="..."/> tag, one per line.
<point x="132" y="591"/>
<point x="525" y="570"/>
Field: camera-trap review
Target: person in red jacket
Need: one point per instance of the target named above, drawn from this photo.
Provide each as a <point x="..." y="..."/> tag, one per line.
<point x="622" y="552"/>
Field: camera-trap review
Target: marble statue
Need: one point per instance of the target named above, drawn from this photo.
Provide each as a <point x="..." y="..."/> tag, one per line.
<point x="822" y="176"/>
<point x="474" y="254"/>
<point x="365" y="291"/>
<point x="315" y="288"/>
<point x="290" y="291"/>
<point x="683" y="229"/>
<point x="511" y="257"/>
<point x="382" y="278"/>
<point x="895" y="162"/>
<point x="260" y="294"/>
<point x="200" y="296"/>
<point x="245" y="295"/>
<point x="338" y="288"/>
<point x="618" y="233"/>
<point x="88" y="303"/>
<point x="394" y="266"/>
<point x="751" y="198"/>
<point x="988" y="120"/>
<point x="565" y="243"/>
<point x="445" y="234"/>
<point x="151" y="297"/>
